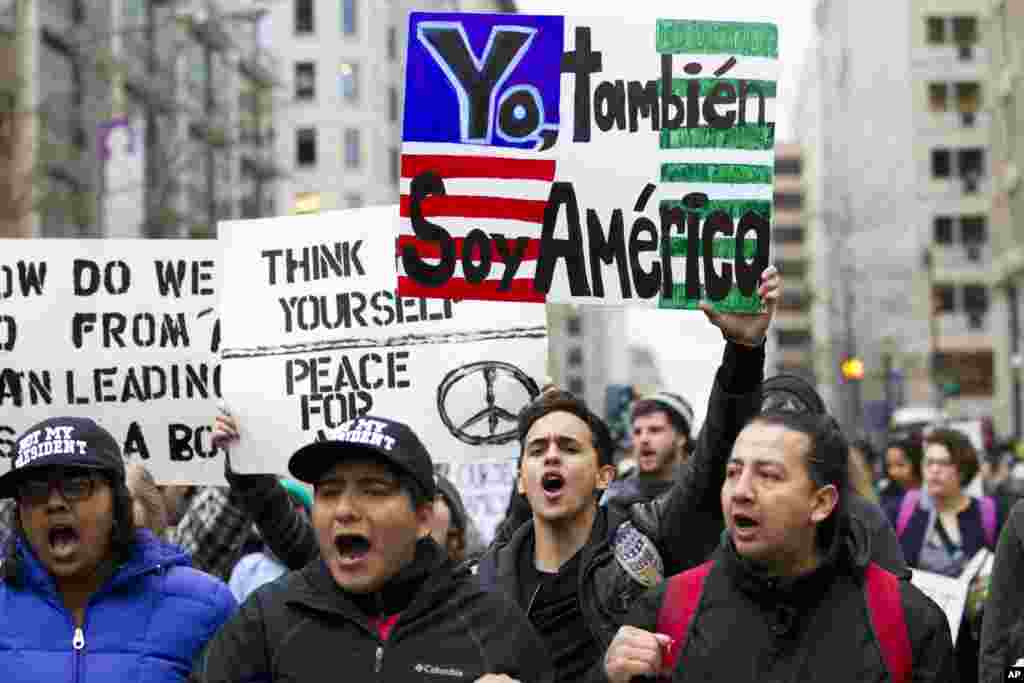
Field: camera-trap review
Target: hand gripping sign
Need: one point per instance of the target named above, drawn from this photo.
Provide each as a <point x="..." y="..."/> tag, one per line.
<point x="558" y="159"/>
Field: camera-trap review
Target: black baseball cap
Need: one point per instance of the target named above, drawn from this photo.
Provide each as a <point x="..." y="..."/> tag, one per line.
<point x="388" y="440"/>
<point x="65" y="442"/>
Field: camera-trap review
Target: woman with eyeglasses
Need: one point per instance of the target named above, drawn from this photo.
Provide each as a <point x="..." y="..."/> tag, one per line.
<point x="941" y="528"/>
<point x="84" y="595"/>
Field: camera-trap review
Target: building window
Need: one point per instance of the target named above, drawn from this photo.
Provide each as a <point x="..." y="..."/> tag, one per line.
<point x="936" y="30"/>
<point x="975" y="299"/>
<point x="392" y="43"/>
<point x="304" y="16"/>
<point x="354" y="200"/>
<point x="353" y="148"/>
<point x="305" y="144"/>
<point x="307" y="202"/>
<point x="937" y="93"/>
<point x="943" y="298"/>
<point x="968" y="97"/>
<point x="77" y="11"/>
<point x="394" y="159"/>
<point x="793" y="338"/>
<point x="971" y="164"/>
<point x="789" y="200"/>
<point x="941" y="167"/>
<point x="305" y="80"/>
<point x="573" y="326"/>
<point x="793" y="269"/>
<point x="943" y="226"/>
<point x="788" y="234"/>
<point x="788" y="166"/>
<point x="350" y="81"/>
<point x="348" y="17"/>
<point x="575" y="357"/>
<point x="576" y="386"/>
<point x="974" y="230"/>
<point x="392" y="104"/>
<point x="965" y="31"/>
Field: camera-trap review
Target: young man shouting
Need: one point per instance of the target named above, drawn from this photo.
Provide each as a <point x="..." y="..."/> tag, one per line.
<point x="382" y="602"/>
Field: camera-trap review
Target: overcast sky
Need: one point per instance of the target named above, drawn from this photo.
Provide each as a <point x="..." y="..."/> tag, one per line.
<point x="688" y="347"/>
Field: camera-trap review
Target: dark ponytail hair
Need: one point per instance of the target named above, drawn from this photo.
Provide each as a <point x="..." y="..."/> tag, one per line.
<point x="122" y="536"/>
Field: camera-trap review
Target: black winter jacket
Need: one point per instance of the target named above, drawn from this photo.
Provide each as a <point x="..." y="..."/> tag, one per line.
<point x="302" y="627"/>
<point x="684" y="524"/>
<point x="752" y="627"/>
<point x="1002" y="628"/>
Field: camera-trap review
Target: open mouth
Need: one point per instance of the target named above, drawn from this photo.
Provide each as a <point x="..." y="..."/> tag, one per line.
<point x="352" y="546"/>
<point x="744" y="522"/>
<point x="63" y="539"/>
<point x="552" y="482"/>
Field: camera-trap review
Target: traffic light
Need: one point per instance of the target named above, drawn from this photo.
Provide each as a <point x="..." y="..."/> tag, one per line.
<point x="852" y="369"/>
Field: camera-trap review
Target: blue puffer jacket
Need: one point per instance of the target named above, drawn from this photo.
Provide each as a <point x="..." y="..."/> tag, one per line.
<point x="145" y="625"/>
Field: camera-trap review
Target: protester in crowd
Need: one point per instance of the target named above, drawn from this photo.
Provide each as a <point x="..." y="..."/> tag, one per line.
<point x="861" y="481"/>
<point x="1002" y="478"/>
<point x="148" y="509"/>
<point x="86" y="596"/>
<point x="383" y="602"/>
<point x="449" y="527"/>
<point x="863" y="450"/>
<point x="792" y="393"/>
<point x="903" y="471"/>
<point x="575" y="566"/>
<point x="262" y="566"/>
<point x="177" y="498"/>
<point x="661" y="443"/>
<point x="1002" y="629"/>
<point x="216" y="529"/>
<point x="6" y="521"/>
<point x="942" y="528"/>
<point x="791" y="594"/>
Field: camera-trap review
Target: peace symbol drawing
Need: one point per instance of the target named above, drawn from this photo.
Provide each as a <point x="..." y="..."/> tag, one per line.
<point x="500" y="390"/>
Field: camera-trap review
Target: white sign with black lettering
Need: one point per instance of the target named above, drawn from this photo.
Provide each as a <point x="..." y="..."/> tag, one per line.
<point x="122" y="331"/>
<point x="315" y="336"/>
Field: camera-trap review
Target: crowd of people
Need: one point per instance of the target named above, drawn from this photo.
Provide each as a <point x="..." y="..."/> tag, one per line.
<point x="765" y="546"/>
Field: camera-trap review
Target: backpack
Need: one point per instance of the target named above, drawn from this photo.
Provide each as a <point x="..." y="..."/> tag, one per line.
<point x="913" y="497"/>
<point x="885" y="606"/>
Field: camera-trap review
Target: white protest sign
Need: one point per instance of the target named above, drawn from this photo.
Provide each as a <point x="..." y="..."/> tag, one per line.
<point x="315" y="336"/>
<point x="587" y="159"/>
<point x="122" y="331"/>
<point x="951" y="593"/>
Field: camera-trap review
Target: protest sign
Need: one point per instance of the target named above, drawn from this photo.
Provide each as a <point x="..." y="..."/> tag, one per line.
<point x="122" y="331"/>
<point x="316" y="336"/>
<point x="951" y="593"/>
<point x="587" y="160"/>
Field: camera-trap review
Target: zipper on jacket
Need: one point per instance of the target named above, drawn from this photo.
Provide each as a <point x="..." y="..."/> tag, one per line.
<point x="78" y="644"/>
<point x="529" y="605"/>
<point x="380" y="659"/>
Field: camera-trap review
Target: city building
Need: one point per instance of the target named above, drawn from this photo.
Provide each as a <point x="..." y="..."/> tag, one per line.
<point x="792" y="347"/>
<point x="341" y="119"/>
<point x="895" y="129"/>
<point x="1003" y="38"/>
<point x="134" y="118"/>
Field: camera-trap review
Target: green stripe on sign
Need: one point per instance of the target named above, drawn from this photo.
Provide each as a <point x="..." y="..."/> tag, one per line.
<point x="733" y="174"/>
<point x="723" y="247"/>
<point x="766" y="88"/>
<point x="734" y="301"/>
<point x="740" y="39"/>
<point x="740" y="137"/>
<point x="736" y="208"/>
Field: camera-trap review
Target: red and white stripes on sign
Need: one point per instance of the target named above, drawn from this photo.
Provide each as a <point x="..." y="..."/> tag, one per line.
<point x="498" y="191"/>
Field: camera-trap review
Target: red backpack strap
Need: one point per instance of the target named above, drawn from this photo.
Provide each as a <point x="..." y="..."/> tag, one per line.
<point x="682" y="595"/>
<point x="885" y="605"/>
<point x="988" y="519"/>
<point x="907" y="507"/>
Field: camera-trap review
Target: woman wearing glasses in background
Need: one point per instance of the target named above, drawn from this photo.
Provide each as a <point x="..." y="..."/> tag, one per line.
<point x="84" y="596"/>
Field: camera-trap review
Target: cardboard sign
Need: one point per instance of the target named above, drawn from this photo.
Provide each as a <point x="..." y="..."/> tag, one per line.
<point x="122" y="331"/>
<point x="587" y="160"/>
<point x="951" y="594"/>
<point x="316" y="336"/>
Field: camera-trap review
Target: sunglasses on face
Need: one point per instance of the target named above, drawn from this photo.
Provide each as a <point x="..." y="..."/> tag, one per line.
<point x="73" y="487"/>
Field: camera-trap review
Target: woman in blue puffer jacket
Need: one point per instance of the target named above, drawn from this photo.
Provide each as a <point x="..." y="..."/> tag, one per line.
<point x="84" y="597"/>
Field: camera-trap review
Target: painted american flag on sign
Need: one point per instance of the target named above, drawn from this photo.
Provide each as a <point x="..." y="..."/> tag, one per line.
<point x="498" y="190"/>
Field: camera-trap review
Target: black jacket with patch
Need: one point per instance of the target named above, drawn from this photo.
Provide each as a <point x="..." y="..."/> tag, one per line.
<point x="684" y="524"/>
<point x="749" y="626"/>
<point x="302" y="627"/>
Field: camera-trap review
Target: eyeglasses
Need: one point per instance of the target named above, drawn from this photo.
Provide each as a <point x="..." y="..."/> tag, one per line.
<point x="944" y="463"/>
<point x="73" y="488"/>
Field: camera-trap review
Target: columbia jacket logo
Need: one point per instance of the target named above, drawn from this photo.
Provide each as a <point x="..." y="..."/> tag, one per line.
<point x="437" y="671"/>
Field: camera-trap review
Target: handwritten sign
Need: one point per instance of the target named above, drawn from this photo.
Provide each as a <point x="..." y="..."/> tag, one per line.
<point x="122" y="331"/>
<point x="587" y="160"/>
<point x="315" y="336"/>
